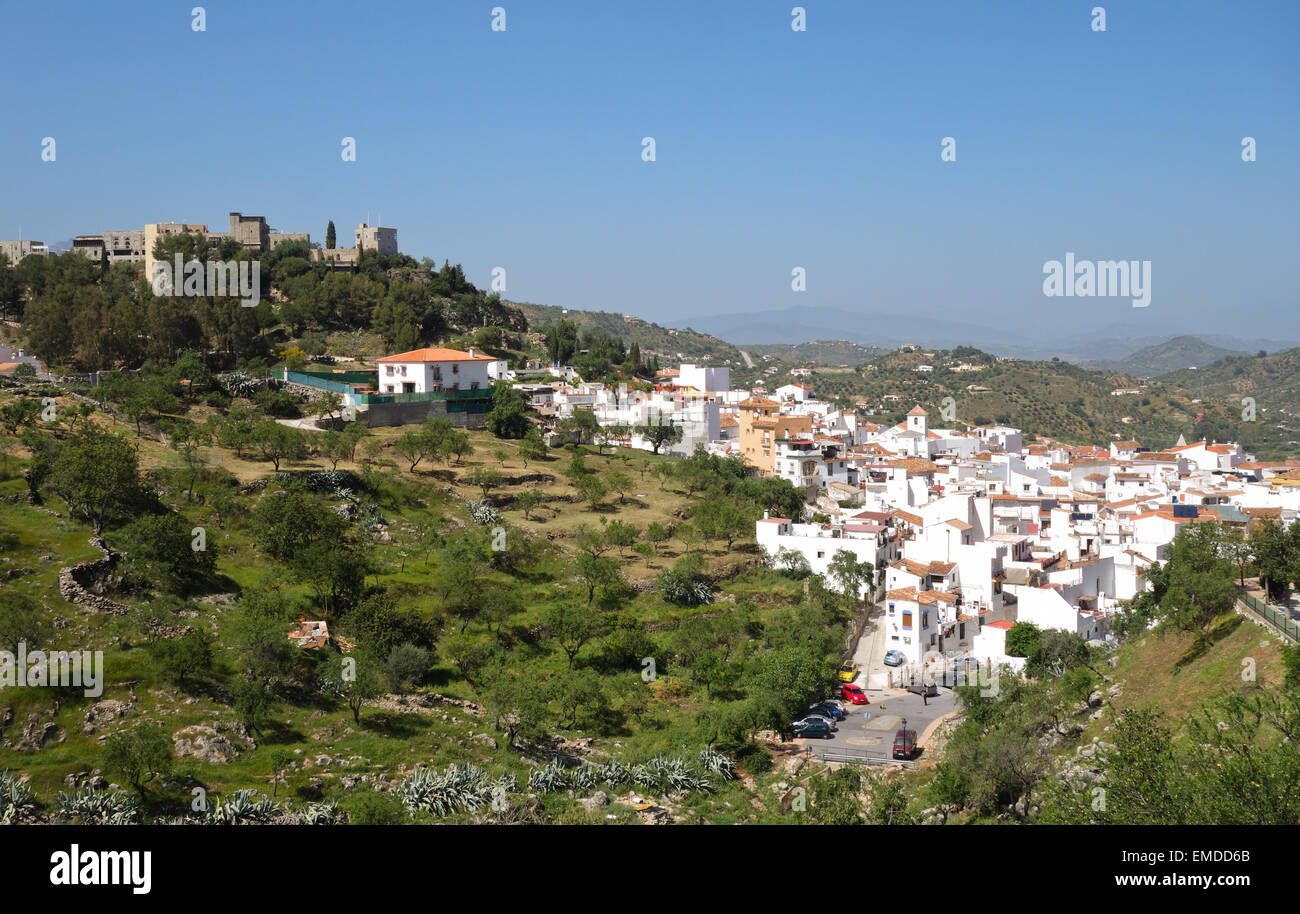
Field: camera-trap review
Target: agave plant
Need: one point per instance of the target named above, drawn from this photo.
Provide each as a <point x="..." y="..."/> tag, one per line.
<point x="461" y="788"/>
<point x="722" y="765"/>
<point x="644" y="776"/>
<point x="549" y="778"/>
<point x="15" y="798"/>
<point x="238" y="384"/>
<point x="584" y="777"/>
<point x="240" y="807"/>
<point x="615" y="773"/>
<point x="98" y="807"/>
<point x="326" y="813"/>
<point x="415" y="791"/>
<point x="483" y="513"/>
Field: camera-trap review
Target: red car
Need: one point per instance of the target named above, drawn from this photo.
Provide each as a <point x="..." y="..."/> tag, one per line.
<point x="853" y="694"/>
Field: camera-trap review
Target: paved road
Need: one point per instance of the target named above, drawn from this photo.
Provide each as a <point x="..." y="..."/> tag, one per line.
<point x="869" y="729"/>
<point x="870" y="654"/>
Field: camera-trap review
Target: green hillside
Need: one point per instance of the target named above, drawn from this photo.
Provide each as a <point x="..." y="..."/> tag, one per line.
<point x="1172" y="355"/>
<point x="1055" y="399"/>
<point x="818" y="352"/>
<point x="1273" y="381"/>
<point x="671" y="346"/>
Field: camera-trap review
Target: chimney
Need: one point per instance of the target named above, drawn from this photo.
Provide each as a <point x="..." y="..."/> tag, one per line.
<point x="471" y="352"/>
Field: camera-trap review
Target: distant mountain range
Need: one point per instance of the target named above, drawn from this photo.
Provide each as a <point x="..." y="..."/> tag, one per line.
<point x="1112" y="343"/>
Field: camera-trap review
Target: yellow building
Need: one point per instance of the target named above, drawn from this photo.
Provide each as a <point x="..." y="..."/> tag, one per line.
<point x="761" y="424"/>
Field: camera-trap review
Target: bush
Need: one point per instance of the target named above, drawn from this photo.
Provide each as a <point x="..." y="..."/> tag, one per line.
<point x="754" y="758"/>
<point x="683" y="585"/>
<point x="407" y="664"/>
<point x="368" y="807"/>
<point x="278" y="403"/>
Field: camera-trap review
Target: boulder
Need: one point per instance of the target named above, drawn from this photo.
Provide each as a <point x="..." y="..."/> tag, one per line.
<point x="594" y="802"/>
<point x="209" y="744"/>
<point x="102" y="713"/>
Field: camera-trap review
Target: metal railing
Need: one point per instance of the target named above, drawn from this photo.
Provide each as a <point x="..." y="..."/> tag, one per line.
<point x="859" y="756"/>
<point x="1279" y="619"/>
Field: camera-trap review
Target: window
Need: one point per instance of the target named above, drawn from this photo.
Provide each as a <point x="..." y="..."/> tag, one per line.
<point x="925" y="618"/>
<point x="821" y="555"/>
<point x="907" y="619"/>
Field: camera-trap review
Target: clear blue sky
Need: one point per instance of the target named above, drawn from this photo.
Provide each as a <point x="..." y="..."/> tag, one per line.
<point x="775" y="149"/>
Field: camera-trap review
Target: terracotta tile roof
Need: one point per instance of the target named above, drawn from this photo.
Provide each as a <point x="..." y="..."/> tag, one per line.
<point x="436" y="354"/>
<point x="915" y="465"/>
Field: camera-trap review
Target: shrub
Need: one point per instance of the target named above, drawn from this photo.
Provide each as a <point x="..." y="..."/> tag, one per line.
<point x="755" y="758"/>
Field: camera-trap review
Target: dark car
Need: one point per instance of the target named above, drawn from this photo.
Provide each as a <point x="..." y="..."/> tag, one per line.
<point x="820" y="715"/>
<point x="828" y="709"/>
<point x="811" y="727"/>
<point x="905" y="744"/>
<point x="926" y="687"/>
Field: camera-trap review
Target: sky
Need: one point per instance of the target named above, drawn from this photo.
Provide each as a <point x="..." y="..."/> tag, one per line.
<point x="774" y="149"/>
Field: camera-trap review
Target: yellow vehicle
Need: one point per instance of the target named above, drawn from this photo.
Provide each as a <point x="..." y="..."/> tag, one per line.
<point x="849" y="671"/>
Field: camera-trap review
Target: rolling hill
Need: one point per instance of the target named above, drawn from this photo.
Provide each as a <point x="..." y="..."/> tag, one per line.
<point x="1162" y="358"/>
<point x="1052" y="397"/>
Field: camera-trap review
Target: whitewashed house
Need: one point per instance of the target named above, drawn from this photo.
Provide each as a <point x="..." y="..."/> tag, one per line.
<point x="434" y="369"/>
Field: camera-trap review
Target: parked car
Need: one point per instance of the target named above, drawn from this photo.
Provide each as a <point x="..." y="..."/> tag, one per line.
<point x="905" y="744"/>
<point x="849" y="671"/>
<point x="811" y="727"/>
<point x="894" y="658"/>
<point x="854" y="694"/>
<point x="829" y="709"/>
<point x="926" y="687"/>
<point x="819" y="717"/>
